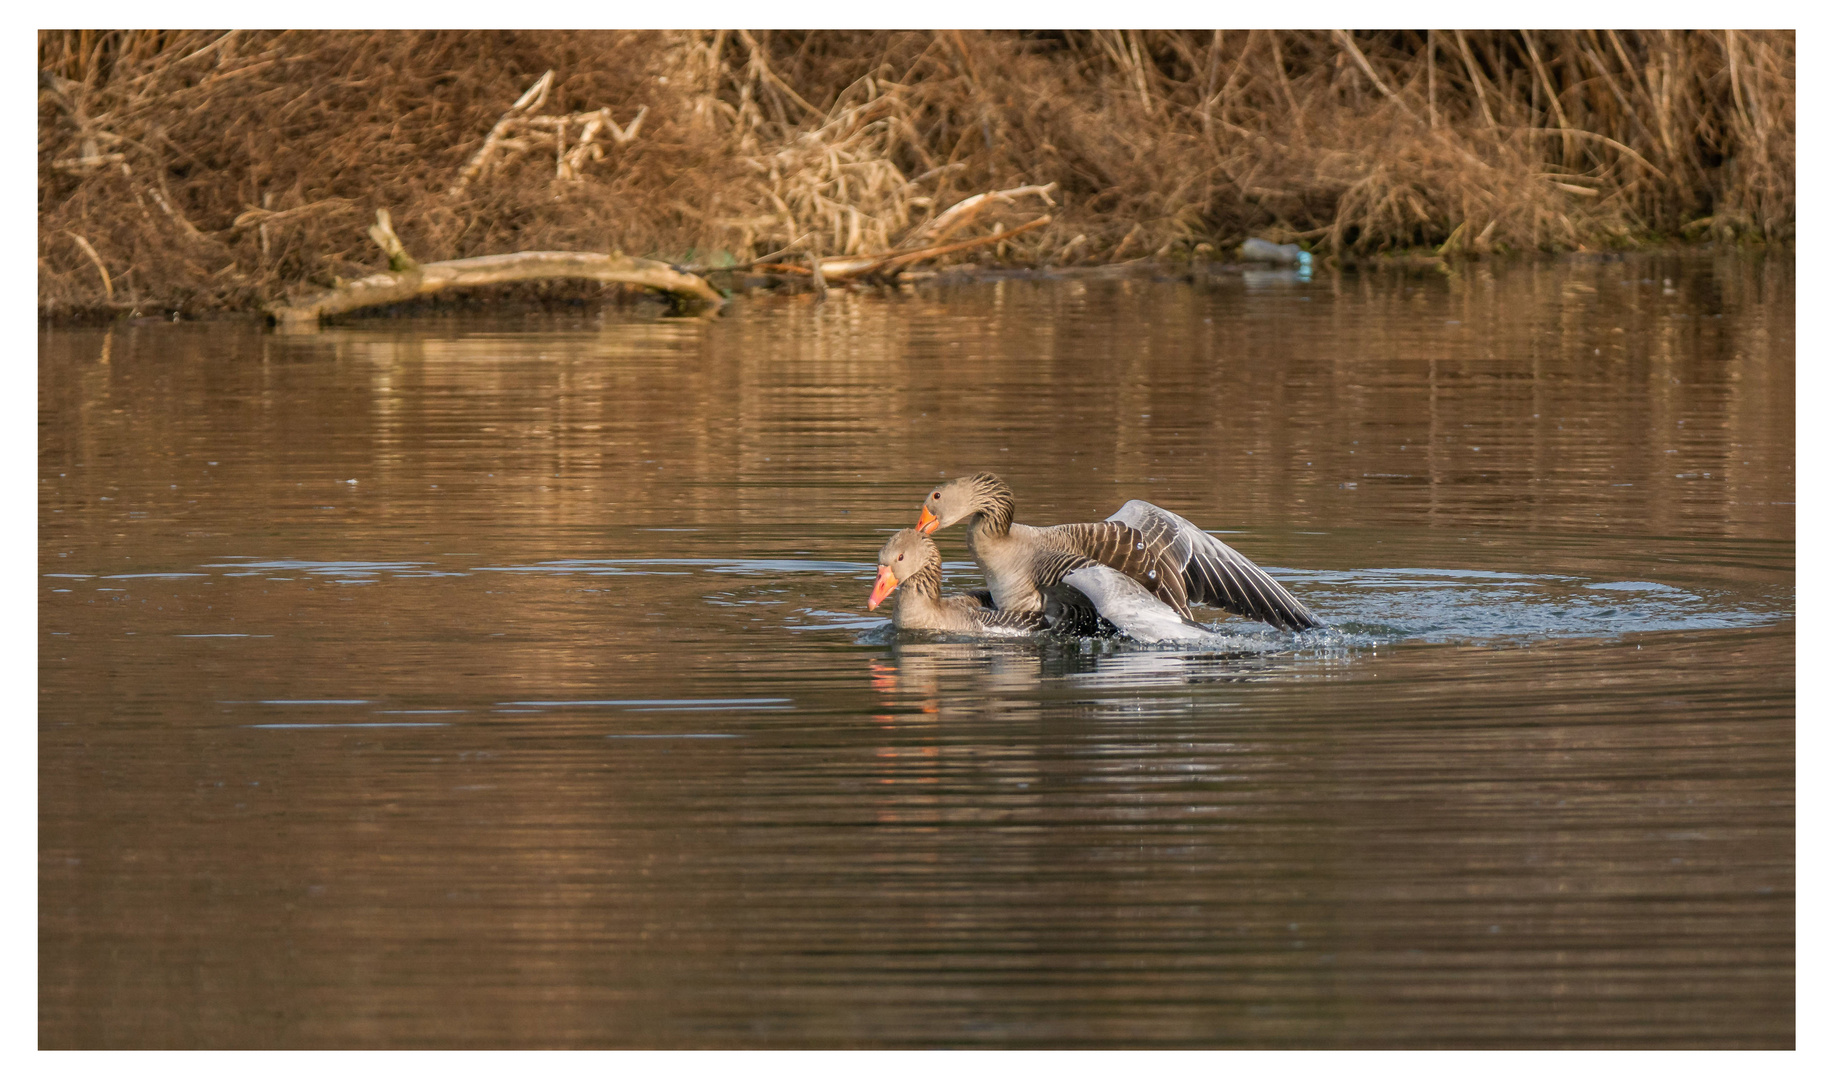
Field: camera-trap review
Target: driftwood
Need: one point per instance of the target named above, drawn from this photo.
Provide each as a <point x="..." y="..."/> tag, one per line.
<point x="407" y="278"/>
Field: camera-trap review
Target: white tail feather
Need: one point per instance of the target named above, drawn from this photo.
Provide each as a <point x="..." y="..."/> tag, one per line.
<point x="1137" y="612"/>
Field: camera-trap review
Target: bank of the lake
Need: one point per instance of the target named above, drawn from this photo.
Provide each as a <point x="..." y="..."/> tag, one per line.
<point x="197" y="172"/>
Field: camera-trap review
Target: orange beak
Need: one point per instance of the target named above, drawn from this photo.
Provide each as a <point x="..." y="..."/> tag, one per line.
<point x="928" y="521"/>
<point x="884" y="583"/>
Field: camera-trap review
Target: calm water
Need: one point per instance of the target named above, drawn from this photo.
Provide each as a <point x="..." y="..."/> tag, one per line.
<point x="510" y="683"/>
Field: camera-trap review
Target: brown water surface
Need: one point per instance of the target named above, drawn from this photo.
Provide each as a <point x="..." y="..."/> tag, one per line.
<point x="448" y="682"/>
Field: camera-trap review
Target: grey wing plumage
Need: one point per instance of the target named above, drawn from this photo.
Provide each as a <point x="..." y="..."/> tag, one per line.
<point x="980" y="606"/>
<point x="1024" y="622"/>
<point x="1214" y="573"/>
<point x="1050" y="565"/>
<point x="1067" y="610"/>
<point x="1122" y="547"/>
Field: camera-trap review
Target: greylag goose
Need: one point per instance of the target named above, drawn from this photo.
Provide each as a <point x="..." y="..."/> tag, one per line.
<point x="909" y="562"/>
<point x="1172" y="558"/>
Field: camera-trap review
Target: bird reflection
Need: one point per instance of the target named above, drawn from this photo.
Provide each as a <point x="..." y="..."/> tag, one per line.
<point x="1008" y="679"/>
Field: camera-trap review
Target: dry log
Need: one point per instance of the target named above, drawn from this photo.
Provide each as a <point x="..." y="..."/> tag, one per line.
<point x="391" y="287"/>
<point x="406" y="278"/>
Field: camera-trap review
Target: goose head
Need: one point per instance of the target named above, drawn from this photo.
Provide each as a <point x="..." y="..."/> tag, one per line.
<point x="906" y="553"/>
<point x="960" y="499"/>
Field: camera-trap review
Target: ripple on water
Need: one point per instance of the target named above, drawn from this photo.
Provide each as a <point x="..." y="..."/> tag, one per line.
<point x="1368" y="608"/>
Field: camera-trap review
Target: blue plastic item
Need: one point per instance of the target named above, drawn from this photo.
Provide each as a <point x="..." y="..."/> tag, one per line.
<point x="1255" y="249"/>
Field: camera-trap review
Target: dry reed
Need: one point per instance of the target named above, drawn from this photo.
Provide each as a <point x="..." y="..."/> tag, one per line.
<point x="195" y="171"/>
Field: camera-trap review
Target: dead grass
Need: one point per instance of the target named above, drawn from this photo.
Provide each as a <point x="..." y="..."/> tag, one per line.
<point x="200" y="170"/>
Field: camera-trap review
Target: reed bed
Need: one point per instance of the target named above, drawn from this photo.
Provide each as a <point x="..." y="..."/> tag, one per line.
<point x="197" y="171"/>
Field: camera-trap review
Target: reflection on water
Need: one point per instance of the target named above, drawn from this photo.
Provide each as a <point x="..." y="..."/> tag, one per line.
<point x="511" y="683"/>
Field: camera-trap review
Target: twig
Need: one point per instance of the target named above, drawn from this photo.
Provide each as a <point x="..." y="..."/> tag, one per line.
<point x="530" y="101"/>
<point x="892" y="262"/>
<point x="1431" y="81"/>
<point x="1605" y="139"/>
<point x="1349" y="44"/>
<point x="964" y="211"/>
<point x="211" y="47"/>
<point x="895" y="262"/>
<point x="383" y="235"/>
<point x="85" y="164"/>
<point x="705" y="268"/>
<point x="1471" y="65"/>
<point x="1546" y="85"/>
<point x="106" y="282"/>
<point x="766" y="73"/>
<point x="1126" y="240"/>
<point x="253" y="216"/>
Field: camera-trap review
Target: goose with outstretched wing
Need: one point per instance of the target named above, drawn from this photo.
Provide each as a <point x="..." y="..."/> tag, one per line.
<point x="1170" y="557"/>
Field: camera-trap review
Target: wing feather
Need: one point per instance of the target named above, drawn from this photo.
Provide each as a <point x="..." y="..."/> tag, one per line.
<point x="1028" y="622"/>
<point x="1127" y="549"/>
<point x="1052" y="564"/>
<point x="1212" y="572"/>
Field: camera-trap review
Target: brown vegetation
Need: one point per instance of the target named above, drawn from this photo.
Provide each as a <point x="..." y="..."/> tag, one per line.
<point x="200" y="170"/>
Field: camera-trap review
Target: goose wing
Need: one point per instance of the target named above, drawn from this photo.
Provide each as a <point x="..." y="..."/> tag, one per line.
<point x="1008" y="622"/>
<point x="1211" y="572"/>
<point x="1120" y="546"/>
<point x="1084" y="596"/>
<point x="978" y="606"/>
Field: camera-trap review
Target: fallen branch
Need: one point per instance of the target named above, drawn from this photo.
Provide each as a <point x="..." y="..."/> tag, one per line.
<point x="706" y="268"/>
<point x="391" y="287"/>
<point x="410" y="279"/>
<point x="840" y="268"/>
<point x="894" y="261"/>
<point x="966" y="210"/>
